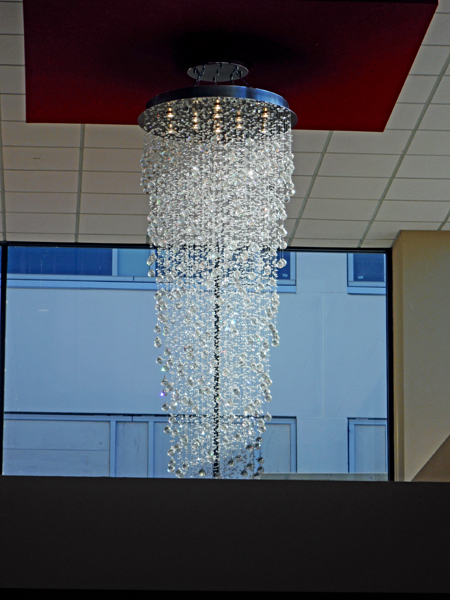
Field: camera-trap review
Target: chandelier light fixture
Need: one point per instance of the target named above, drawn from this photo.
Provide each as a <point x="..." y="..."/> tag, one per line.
<point x="217" y="166"/>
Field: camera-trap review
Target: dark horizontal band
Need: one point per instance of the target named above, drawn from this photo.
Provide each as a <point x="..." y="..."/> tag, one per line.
<point x="222" y="91"/>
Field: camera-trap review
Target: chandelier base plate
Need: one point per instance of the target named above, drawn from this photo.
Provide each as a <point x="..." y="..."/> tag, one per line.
<point x="217" y="91"/>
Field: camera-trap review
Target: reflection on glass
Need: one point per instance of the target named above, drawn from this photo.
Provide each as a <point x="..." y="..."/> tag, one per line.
<point x="82" y="383"/>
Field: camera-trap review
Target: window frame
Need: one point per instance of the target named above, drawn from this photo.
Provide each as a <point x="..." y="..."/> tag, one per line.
<point x="387" y="252"/>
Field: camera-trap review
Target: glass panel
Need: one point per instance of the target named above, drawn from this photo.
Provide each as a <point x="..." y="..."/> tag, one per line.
<point x="284" y="272"/>
<point x="81" y="365"/>
<point x="59" y="261"/>
<point x="370" y="448"/>
<point x="132" y="263"/>
<point x="131" y="449"/>
<point x="368" y="267"/>
<point x="56" y="447"/>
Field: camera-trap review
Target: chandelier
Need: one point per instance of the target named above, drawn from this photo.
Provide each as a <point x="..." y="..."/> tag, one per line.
<point x="217" y="167"/>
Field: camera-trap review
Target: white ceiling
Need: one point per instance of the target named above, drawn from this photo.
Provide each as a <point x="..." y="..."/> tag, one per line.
<point x="77" y="183"/>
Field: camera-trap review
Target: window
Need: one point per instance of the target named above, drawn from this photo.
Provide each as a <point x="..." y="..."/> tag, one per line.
<point x="80" y="355"/>
<point x="82" y="445"/>
<point x="366" y="273"/>
<point x="367" y="446"/>
<point x="99" y="268"/>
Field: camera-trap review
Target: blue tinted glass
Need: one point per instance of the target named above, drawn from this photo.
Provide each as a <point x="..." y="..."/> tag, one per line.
<point x="59" y="261"/>
<point x="132" y="263"/>
<point x="285" y="272"/>
<point x="368" y="267"/>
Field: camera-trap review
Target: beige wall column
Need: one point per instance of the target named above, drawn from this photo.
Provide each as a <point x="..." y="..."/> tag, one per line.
<point x="421" y="317"/>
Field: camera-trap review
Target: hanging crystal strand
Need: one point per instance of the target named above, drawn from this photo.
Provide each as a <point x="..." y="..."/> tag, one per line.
<point x="217" y="175"/>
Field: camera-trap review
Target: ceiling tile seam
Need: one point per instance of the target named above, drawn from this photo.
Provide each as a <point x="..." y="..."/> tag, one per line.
<point x="80" y="182"/>
<point x="384" y="153"/>
<point x="332" y="152"/>
<point x="115" y="148"/>
<point x="311" y="185"/>
<point x="330" y="219"/>
<point x="54" y="170"/>
<point x="2" y="183"/>
<point x="74" y="192"/>
<point x="25" y="170"/>
<point x="407" y="145"/>
<point x="369" y="200"/>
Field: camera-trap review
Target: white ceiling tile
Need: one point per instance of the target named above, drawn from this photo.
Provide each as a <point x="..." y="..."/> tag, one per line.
<point x="40" y="223"/>
<point x="446" y="226"/>
<point x="388" y="230"/>
<point x="315" y="243"/>
<point x="13" y="107"/>
<point x="348" y="188"/>
<point x="430" y="142"/>
<point x="11" y="17"/>
<point x="113" y="224"/>
<point x="99" y="159"/>
<point x="424" y="167"/>
<point x="377" y="243"/>
<point x="289" y="225"/>
<point x="429" y="60"/>
<point x="40" y="202"/>
<point x="402" y="210"/>
<point x="443" y="6"/>
<point x="332" y="230"/>
<point x="404" y="116"/>
<point x="293" y="207"/>
<point x="438" y="32"/>
<point x="417" y="88"/>
<point x="111" y="183"/>
<point x="419" y="189"/>
<point x="41" y="181"/>
<point x="305" y="163"/>
<point x="115" y="204"/>
<point x="12" y="50"/>
<point x="40" y="158"/>
<point x="388" y="142"/>
<point x="12" y="80"/>
<point x="40" y="134"/>
<point x="342" y="210"/>
<point x="301" y="185"/>
<point x="361" y="165"/>
<point x="308" y="141"/>
<point x="53" y="238"/>
<point x="437" y="117"/>
<point x="112" y="239"/>
<point x="442" y="95"/>
<point x="114" y="136"/>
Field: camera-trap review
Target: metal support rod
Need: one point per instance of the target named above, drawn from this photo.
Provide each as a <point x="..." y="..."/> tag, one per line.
<point x="216" y="464"/>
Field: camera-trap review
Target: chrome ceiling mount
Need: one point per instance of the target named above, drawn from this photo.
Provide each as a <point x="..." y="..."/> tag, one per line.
<point x="218" y="72"/>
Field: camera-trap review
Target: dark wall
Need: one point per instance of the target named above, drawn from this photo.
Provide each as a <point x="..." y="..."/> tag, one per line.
<point x="224" y="535"/>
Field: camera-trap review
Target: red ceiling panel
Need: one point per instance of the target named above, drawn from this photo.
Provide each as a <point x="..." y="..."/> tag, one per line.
<point x="340" y="64"/>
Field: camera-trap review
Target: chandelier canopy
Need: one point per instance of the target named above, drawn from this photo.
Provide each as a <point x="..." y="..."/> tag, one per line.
<point x="217" y="167"/>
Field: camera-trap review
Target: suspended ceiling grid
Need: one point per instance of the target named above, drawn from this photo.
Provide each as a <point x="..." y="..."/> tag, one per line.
<point x="80" y="183"/>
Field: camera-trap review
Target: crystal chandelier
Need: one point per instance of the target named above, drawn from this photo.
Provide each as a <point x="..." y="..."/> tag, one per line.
<point x="217" y="166"/>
